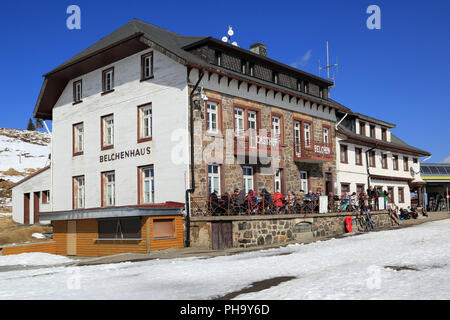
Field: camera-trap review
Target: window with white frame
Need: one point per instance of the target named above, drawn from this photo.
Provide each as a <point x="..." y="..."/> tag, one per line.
<point x="108" y="80"/>
<point x="214" y="178"/>
<point x="239" y="121"/>
<point x="297" y="138"/>
<point x="78" y="192"/>
<point x="77" y="91"/>
<point x="326" y="135"/>
<point x="108" y="131"/>
<point x="278" y="180"/>
<point x="147" y="66"/>
<point x="276" y="127"/>
<point x="252" y="123"/>
<point x="145" y="122"/>
<point x="109" y="189"/>
<point x="212" y="115"/>
<point x="248" y="178"/>
<point x="307" y="129"/>
<point x="78" y="139"/>
<point x="147" y="180"/>
<point x="304" y="181"/>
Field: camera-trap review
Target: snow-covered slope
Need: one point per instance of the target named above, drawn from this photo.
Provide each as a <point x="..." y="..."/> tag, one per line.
<point x="21" y="153"/>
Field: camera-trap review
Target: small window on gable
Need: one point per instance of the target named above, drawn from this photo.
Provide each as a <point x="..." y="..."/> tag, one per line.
<point x="108" y="80"/>
<point x="147" y="66"/>
<point x="77" y="91"/>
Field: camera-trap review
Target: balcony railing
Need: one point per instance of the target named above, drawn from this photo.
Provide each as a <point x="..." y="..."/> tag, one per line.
<point x="316" y="151"/>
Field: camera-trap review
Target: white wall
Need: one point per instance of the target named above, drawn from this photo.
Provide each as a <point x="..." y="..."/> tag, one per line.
<point x="355" y="174"/>
<point x="168" y="94"/>
<point x="38" y="183"/>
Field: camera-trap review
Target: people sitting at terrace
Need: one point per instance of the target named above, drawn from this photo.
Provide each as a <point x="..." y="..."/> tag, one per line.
<point x="345" y="201"/>
<point x="213" y="203"/>
<point x="277" y="201"/>
<point x="252" y="202"/>
<point x="266" y="201"/>
<point x="291" y="201"/>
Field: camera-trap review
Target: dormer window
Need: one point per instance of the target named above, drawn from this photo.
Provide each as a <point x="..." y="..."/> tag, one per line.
<point x="243" y="66"/>
<point x="275" y="77"/>
<point x="305" y="87"/>
<point x="218" y="58"/>
<point x="372" y="131"/>
<point x="321" y="93"/>
<point x="252" y="69"/>
<point x="384" y="134"/>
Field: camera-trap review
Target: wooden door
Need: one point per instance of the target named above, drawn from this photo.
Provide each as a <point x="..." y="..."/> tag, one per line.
<point x="36" y="207"/>
<point x="71" y="238"/>
<point x="222" y="237"/>
<point x="26" y="208"/>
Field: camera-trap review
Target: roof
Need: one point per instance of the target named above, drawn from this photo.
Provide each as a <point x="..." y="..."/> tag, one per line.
<point x="30" y="176"/>
<point x="374" y="120"/>
<point x="396" y="143"/>
<point x="435" y="171"/>
<point x="136" y="36"/>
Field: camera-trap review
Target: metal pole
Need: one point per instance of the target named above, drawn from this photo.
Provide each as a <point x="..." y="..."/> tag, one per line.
<point x="448" y="206"/>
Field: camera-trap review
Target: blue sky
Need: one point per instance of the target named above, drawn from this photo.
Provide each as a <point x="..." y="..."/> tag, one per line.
<point x="400" y="74"/>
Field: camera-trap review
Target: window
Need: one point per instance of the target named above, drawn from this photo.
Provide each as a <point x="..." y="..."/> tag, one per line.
<point x="278" y="180"/>
<point x="145" y="127"/>
<point x="239" y="121"/>
<point x="107" y="132"/>
<point x="109" y="189"/>
<point x="248" y="178"/>
<point x="218" y="58"/>
<point x="275" y="77"/>
<point x="163" y="228"/>
<point x="120" y="228"/>
<point x="299" y="85"/>
<point x="345" y="188"/>
<point x="401" y="195"/>
<point x="252" y="69"/>
<point x="358" y="156"/>
<point x="344" y="155"/>
<point x="77" y="91"/>
<point x="390" y="194"/>
<point x="46" y="197"/>
<point x="252" y="120"/>
<point x="305" y="87"/>
<point x="78" y="139"/>
<point x="212" y="115"/>
<point x="146" y="185"/>
<point x="214" y="178"/>
<point x="395" y="162"/>
<point x="243" y="66"/>
<point x="415" y="160"/>
<point x="108" y="80"/>
<point x="78" y="192"/>
<point x="384" y="162"/>
<point x="362" y="128"/>
<point x="147" y="66"/>
<point x="321" y="93"/>
<point x="326" y="134"/>
<point x="384" y="134"/>
<point x="372" y="159"/>
<point x="360" y="188"/>
<point x="405" y="164"/>
<point x="297" y="138"/>
<point x="276" y="127"/>
<point x="307" y="131"/>
<point x="372" y="131"/>
<point x="304" y="181"/>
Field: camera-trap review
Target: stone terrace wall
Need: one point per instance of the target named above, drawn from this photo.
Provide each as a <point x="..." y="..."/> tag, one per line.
<point x="252" y="231"/>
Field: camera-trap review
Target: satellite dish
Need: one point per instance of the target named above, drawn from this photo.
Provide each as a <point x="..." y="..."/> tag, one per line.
<point x="225" y="39"/>
<point x="235" y="44"/>
<point x="230" y="31"/>
<point x="412" y="172"/>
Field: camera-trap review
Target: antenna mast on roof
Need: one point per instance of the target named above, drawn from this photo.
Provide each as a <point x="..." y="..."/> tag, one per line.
<point x="328" y="66"/>
<point x="228" y="39"/>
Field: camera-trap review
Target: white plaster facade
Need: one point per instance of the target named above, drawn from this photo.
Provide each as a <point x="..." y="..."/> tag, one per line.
<point x="36" y="184"/>
<point x="167" y="92"/>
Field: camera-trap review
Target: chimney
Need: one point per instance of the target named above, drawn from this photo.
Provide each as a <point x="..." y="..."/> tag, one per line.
<point x="259" y="48"/>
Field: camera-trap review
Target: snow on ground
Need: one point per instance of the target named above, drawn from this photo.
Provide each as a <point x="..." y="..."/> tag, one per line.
<point x="32" y="259"/>
<point x="346" y="268"/>
<point x="21" y="149"/>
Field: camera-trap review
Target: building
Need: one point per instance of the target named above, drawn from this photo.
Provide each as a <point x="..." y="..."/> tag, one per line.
<point x="436" y="191"/>
<point x="371" y="155"/>
<point x="147" y="123"/>
<point x="30" y="196"/>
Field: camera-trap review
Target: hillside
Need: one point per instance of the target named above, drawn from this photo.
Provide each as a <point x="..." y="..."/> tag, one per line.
<point x="22" y="152"/>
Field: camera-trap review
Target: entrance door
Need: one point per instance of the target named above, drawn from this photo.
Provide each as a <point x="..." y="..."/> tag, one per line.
<point x="26" y="208"/>
<point x="222" y="237"/>
<point x="71" y="238"/>
<point x="328" y="184"/>
<point x="36" y="207"/>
